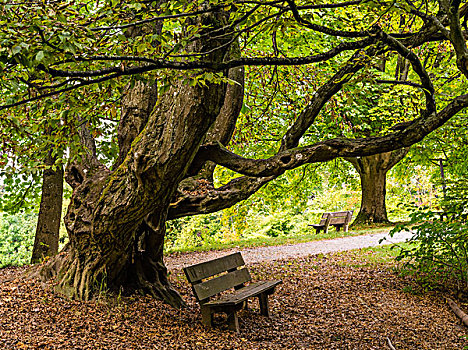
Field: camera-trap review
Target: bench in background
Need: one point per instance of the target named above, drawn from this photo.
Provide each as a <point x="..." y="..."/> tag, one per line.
<point x="213" y="277"/>
<point x="338" y="219"/>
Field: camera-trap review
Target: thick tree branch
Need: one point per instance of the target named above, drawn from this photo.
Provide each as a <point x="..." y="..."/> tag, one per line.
<point x="210" y="200"/>
<point x="223" y="128"/>
<point x="88" y="165"/>
<point x="417" y="67"/>
<point x="138" y="101"/>
<point x="241" y="188"/>
<point x="452" y="9"/>
<point x="396" y="156"/>
<point x="118" y="71"/>
<point x="333" y="148"/>
<point x="154" y="64"/>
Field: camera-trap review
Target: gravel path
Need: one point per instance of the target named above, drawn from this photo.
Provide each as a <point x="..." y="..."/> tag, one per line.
<point x="259" y="254"/>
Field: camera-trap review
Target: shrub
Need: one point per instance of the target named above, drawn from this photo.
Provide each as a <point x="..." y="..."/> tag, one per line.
<point x="277" y="224"/>
<point x="16" y="238"/>
<point x="193" y="231"/>
<point x="438" y="251"/>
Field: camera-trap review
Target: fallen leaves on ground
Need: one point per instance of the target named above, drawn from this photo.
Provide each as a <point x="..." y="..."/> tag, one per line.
<point x="326" y="302"/>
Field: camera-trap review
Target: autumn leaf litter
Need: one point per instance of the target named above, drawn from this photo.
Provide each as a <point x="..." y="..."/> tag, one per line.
<point x="334" y="301"/>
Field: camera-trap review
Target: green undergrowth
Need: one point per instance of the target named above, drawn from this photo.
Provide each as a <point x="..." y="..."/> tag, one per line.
<point x="17" y="233"/>
<point x="16" y="239"/>
<point x="262" y="241"/>
<point x="371" y="256"/>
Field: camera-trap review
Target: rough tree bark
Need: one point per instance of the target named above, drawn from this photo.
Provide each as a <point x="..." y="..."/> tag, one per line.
<point x="116" y="219"/>
<point x="373" y="173"/>
<point x="50" y="212"/>
<point x="201" y="175"/>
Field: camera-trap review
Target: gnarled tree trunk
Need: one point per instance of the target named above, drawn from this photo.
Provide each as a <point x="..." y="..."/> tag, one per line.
<point x="373" y="173"/>
<point x="116" y="219"/>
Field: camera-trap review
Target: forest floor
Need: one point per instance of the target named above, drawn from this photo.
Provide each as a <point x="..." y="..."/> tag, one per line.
<point x="345" y="300"/>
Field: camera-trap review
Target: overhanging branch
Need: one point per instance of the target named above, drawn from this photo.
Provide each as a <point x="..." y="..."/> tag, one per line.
<point x="331" y="149"/>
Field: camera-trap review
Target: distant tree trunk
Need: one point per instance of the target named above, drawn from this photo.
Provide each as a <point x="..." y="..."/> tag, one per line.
<point x="373" y="187"/>
<point x="373" y="173"/>
<point x="50" y="212"/>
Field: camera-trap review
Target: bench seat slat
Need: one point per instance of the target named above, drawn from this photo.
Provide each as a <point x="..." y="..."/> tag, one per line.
<point x="227" y="273"/>
<point x="323" y="220"/>
<point x="219" y="284"/>
<point x="243" y="294"/>
<point x="210" y="268"/>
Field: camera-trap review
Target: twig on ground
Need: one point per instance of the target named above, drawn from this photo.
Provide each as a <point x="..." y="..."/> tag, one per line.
<point x="463" y="316"/>
<point x="390" y="345"/>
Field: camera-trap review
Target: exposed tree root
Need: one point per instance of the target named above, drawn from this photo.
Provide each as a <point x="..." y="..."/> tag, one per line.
<point x="460" y="314"/>
<point x="367" y="219"/>
<point x="150" y="277"/>
<point x="86" y="279"/>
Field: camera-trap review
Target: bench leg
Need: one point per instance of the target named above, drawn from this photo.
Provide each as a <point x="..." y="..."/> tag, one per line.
<point x="264" y="309"/>
<point x="232" y="321"/>
<point x="345" y="228"/>
<point x="206" y="315"/>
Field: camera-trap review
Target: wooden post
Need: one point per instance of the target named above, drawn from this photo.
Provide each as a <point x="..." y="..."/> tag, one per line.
<point x="327" y="222"/>
<point x="232" y="321"/>
<point x="263" y="300"/>
<point x="206" y="315"/>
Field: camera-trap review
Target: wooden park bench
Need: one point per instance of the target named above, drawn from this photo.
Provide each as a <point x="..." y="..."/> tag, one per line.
<point x="337" y="219"/>
<point x="211" y="278"/>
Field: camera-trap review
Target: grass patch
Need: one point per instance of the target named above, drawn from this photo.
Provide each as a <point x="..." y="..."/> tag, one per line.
<point x="371" y="256"/>
<point x="279" y="240"/>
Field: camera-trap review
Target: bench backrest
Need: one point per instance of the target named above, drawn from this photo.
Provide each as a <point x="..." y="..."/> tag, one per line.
<point x="325" y="219"/>
<point x="340" y="217"/>
<point x="215" y="276"/>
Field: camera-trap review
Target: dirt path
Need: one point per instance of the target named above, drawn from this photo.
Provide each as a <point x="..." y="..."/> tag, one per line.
<point x="261" y="254"/>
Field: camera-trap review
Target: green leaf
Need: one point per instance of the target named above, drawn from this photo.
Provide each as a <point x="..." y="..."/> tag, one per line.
<point x="141" y="47"/>
<point x="40" y="56"/>
<point x="16" y="49"/>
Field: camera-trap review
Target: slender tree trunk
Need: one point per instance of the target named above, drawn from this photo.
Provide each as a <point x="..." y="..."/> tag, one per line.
<point x="373" y="173"/>
<point x="50" y="213"/>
